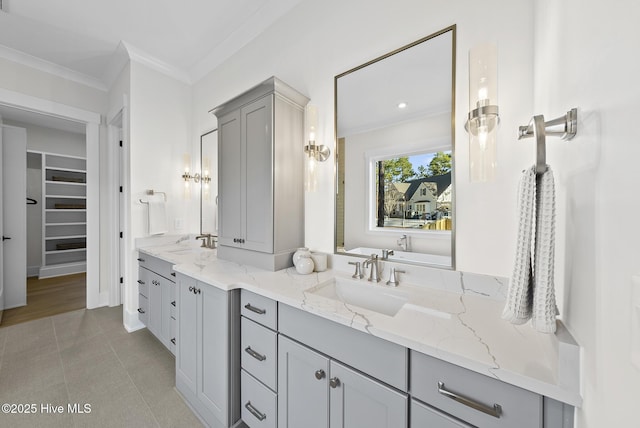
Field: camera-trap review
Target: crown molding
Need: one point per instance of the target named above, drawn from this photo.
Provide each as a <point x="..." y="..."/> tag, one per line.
<point x="51" y="68"/>
<point x="148" y="60"/>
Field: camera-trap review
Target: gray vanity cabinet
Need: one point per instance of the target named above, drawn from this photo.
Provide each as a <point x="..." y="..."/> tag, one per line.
<point x="156" y="294"/>
<point x="207" y="360"/>
<point x="260" y="167"/>
<point x="315" y="391"/>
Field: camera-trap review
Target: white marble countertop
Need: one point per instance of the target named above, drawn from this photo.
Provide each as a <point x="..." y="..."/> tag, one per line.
<point x="458" y="323"/>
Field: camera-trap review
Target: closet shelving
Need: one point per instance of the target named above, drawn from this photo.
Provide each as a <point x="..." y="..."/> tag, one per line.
<point x="64" y="185"/>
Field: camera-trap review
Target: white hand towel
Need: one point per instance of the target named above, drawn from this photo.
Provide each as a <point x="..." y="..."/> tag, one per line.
<point x="157" y="215"/>
<point x="518" y="306"/>
<point x="544" y="297"/>
<point x="531" y="289"/>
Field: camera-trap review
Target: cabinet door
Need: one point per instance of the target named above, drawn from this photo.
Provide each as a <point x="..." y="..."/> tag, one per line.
<point x="165" y="323"/>
<point x="213" y="350"/>
<point x="359" y="401"/>
<point x="155" y="305"/>
<point x="186" y="346"/>
<point x="303" y="399"/>
<point x="229" y="179"/>
<point x="257" y="134"/>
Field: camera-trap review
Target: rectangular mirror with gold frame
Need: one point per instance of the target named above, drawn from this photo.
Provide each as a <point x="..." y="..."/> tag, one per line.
<point x="395" y="154"/>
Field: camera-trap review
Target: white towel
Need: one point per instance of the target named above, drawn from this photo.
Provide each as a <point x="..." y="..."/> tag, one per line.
<point x="531" y="292"/>
<point x="157" y="215"/>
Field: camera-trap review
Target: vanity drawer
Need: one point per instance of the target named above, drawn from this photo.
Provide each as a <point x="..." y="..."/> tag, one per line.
<point x="143" y="281"/>
<point x="143" y="309"/>
<point x="159" y="266"/>
<point x="439" y="383"/>
<point x="259" y="403"/>
<point x="424" y="416"/>
<point x="172" y="335"/>
<point x="259" y="352"/>
<point x="260" y="309"/>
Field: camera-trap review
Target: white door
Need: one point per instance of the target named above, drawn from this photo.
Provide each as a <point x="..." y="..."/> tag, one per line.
<point x="14" y="216"/>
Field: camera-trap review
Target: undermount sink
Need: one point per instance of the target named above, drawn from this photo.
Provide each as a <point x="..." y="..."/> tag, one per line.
<point x="187" y="250"/>
<point x="372" y="296"/>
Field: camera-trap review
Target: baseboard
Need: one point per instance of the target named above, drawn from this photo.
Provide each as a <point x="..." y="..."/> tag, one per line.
<point x="32" y="271"/>
<point x="131" y="321"/>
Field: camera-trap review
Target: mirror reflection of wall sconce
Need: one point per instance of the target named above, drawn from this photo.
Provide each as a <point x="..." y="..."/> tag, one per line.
<point x="203" y="178"/>
<point x="314" y="152"/>
<point x="483" y="120"/>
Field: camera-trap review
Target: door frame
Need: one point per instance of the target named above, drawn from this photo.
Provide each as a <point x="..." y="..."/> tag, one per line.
<point x="92" y="121"/>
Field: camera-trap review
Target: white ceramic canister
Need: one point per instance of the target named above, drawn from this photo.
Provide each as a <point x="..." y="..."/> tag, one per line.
<point x="319" y="261"/>
<point x="300" y="253"/>
<point x="304" y="265"/>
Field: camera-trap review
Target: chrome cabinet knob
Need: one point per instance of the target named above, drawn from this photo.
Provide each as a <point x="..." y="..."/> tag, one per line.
<point x="334" y="382"/>
<point x="320" y="374"/>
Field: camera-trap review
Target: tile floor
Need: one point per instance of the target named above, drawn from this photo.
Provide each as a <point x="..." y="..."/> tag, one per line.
<point x="87" y="357"/>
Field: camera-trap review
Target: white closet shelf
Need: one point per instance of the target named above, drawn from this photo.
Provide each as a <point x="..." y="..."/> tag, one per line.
<point x="55" y="238"/>
<point x="71" y="250"/>
<point x="54" y="168"/>
<point x="66" y="183"/>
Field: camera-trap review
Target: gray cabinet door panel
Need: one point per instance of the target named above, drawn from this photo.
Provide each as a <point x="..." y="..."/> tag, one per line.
<point x="257" y="135"/>
<point x="229" y="173"/>
<point x="358" y="401"/>
<point x="213" y="350"/>
<point x="186" y="350"/>
<point x="303" y="397"/>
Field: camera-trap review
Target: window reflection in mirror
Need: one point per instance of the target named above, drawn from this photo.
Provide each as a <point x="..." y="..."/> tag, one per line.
<point x="395" y="127"/>
<point x="414" y="192"/>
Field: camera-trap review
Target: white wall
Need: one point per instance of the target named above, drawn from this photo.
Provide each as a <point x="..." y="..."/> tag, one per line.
<point x="160" y="133"/>
<point x="318" y="40"/>
<point x="585" y="58"/>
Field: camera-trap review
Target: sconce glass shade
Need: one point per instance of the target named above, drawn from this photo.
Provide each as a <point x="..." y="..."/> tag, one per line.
<point x="314" y="153"/>
<point x="483" y="120"/>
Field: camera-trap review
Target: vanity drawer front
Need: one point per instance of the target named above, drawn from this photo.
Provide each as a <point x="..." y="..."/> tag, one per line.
<point x="437" y="382"/>
<point x="143" y="309"/>
<point x="258" y="403"/>
<point x="259" y="352"/>
<point x="377" y="357"/>
<point x="260" y="309"/>
<point x="172" y="335"/>
<point x="159" y="266"/>
<point x="423" y="416"/>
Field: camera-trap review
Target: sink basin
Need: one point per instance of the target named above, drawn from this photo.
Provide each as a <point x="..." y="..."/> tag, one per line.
<point x="188" y="250"/>
<point x="374" y="297"/>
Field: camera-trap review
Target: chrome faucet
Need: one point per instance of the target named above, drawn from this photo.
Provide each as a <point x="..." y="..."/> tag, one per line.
<point x="208" y="240"/>
<point x="403" y="242"/>
<point x="373" y="272"/>
<point x="386" y="253"/>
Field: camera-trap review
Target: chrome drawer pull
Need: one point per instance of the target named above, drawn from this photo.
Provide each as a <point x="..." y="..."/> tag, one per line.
<point x="140" y="310"/>
<point x="254" y="309"/>
<point x="141" y="282"/>
<point x="173" y="340"/>
<point x="173" y="274"/>
<point x="254" y="411"/>
<point x="254" y="354"/>
<point x="173" y="303"/>
<point x="141" y="260"/>
<point x="494" y="411"/>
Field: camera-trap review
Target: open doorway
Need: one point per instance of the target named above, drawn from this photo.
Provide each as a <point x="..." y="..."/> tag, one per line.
<point x="57" y="215"/>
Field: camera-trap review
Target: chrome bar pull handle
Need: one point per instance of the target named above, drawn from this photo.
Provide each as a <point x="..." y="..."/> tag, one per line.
<point x="495" y="411"/>
<point x="255" y="412"/>
<point x="141" y="282"/>
<point x="173" y="340"/>
<point x="141" y="260"/>
<point x="254" y="354"/>
<point x="140" y="310"/>
<point x="251" y="308"/>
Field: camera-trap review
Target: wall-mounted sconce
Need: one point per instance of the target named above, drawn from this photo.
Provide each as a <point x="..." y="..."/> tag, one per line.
<point x="314" y="152"/>
<point x="205" y="178"/>
<point x="482" y="124"/>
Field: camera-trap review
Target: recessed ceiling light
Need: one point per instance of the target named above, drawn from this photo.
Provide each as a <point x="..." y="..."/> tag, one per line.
<point x="402" y="105"/>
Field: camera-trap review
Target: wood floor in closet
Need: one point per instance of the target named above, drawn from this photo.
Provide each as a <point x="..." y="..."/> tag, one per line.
<point x="49" y="296"/>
